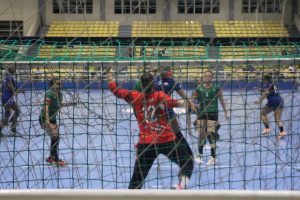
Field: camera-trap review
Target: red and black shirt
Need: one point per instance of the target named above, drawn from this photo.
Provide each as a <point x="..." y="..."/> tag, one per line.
<point x="150" y="112"/>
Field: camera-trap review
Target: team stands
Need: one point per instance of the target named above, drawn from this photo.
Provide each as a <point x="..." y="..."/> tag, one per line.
<point x="177" y="52"/>
<point x="181" y="72"/>
<point x="64" y="72"/>
<point x="83" y="29"/>
<point x="76" y="52"/>
<point x="160" y="29"/>
<point x="250" y="29"/>
<point x="249" y="72"/>
<point x="257" y="51"/>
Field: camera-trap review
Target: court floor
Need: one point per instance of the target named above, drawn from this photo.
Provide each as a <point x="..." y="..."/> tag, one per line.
<point x="98" y="137"/>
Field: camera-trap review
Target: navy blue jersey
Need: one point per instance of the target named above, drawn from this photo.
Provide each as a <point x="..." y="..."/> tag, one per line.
<point x="168" y="85"/>
<point x="274" y="98"/>
<point x="8" y="92"/>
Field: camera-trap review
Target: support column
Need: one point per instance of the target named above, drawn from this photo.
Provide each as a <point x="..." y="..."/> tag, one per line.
<point x="42" y="12"/>
<point x="166" y="10"/>
<point x="231" y="7"/>
<point x="102" y="10"/>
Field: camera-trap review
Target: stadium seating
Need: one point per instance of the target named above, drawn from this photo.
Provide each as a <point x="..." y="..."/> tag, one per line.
<point x="77" y="51"/>
<point x="250" y="29"/>
<point x="191" y="29"/>
<point x="235" y="52"/>
<point x="63" y="72"/>
<point x="83" y="29"/>
<point x="176" y="52"/>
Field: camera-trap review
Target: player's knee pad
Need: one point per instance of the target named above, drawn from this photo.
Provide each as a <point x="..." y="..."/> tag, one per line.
<point x="218" y="126"/>
<point x="202" y="142"/>
<point x="212" y="138"/>
<point x="55" y="138"/>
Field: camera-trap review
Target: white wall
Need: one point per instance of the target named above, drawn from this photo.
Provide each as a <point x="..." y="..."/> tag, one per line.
<point x="205" y="19"/>
<point x="297" y="17"/>
<point x="21" y="10"/>
<point x="285" y="16"/>
<point x="173" y="14"/>
<point x="11" y="10"/>
<point x="68" y="17"/>
<point x="27" y="10"/>
<point x="128" y="19"/>
<point x="31" y="19"/>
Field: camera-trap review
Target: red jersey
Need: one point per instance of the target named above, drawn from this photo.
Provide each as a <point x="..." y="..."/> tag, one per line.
<point x="150" y="112"/>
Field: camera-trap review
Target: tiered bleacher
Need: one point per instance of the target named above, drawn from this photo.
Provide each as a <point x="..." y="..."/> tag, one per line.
<point x="175" y="52"/>
<point x="76" y="51"/>
<point x="179" y="72"/>
<point x="249" y="72"/>
<point x="175" y="29"/>
<point x="83" y="29"/>
<point x="235" y="52"/>
<point x="250" y="29"/>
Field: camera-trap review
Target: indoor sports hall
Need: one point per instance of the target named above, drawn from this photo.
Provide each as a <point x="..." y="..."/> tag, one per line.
<point x="82" y="46"/>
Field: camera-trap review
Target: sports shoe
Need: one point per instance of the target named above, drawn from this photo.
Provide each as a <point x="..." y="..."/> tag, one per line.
<point x="177" y="187"/>
<point x="212" y="161"/>
<point x="50" y="160"/>
<point x="13" y="131"/>
<point x="198" y="159"/>
<point x="61" y="162"/>
<point x="58" y="162"/>
<point x="266" y="131"/>
<point x="281" y="135"/>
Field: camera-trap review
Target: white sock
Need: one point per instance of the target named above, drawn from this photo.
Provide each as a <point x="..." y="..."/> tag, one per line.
<point x="184" y="180"/>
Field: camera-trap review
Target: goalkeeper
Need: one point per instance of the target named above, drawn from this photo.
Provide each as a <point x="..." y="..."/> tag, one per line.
<point x="156" y="135"/>
<point x="167" y="84"/>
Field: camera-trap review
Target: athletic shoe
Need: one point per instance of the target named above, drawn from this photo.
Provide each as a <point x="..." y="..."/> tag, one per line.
<point x="266" y="131"/>
<point x="198" y="159"/>
<point x="58" y="162"/>
<point x="281" y="135"/>
<point x="50" y="160"/>
<point x="179" y="187"/>
<point x="13" y="131"/>
<point x="61" y="163"/>
<point x="212" y="161"/>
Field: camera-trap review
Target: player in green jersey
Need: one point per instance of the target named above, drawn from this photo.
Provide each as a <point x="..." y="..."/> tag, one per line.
<point x="207" y="95"/>
<point x="48" y="119"/>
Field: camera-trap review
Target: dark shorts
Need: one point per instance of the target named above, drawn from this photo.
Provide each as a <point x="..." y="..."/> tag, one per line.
<point x="208" y="116"/>
<point x="267" y="109"/>
<point x="42" y="121"/>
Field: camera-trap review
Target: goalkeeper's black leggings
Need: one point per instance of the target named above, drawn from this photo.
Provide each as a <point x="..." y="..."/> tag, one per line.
<point x="177" y="131"/>
<point x="176" y="151"/>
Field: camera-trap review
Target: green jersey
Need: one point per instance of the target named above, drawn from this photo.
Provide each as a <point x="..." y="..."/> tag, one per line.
<point x="138" y="86"/>
<point x="54" y="101"/>
<point x="207" y="98"/>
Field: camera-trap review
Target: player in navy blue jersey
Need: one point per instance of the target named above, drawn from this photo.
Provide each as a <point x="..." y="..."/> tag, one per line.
<point x="275" y="103"/>
<point x="11" y="109"/>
